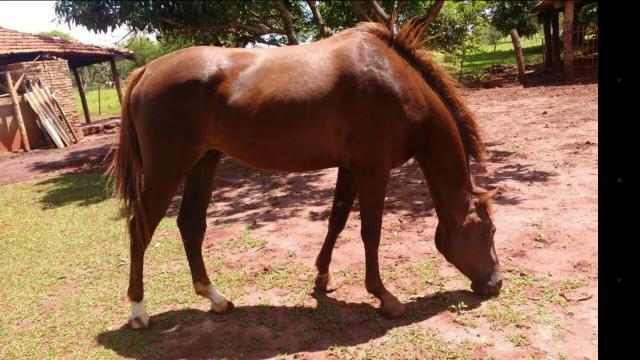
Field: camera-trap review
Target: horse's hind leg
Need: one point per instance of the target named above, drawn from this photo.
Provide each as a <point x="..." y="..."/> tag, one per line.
<point x="157" y="194"/>
<point x="345" y="194"/>
<point x="192" y="224"/>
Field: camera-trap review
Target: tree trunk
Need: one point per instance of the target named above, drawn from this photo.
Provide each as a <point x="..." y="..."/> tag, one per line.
<point x="461" y="64"/>
<point x="317" y="18"/>
<point x="568" y="40"/>
<point x="517" y="48"/>
<point x="288" y="23"/>
<point x="493" y="57"/>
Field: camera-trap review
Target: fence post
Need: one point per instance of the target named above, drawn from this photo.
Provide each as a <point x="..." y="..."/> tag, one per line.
<point x="99" y="104"/>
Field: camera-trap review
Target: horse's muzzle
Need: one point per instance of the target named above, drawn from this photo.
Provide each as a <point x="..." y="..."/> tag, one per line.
<point x="488" y="288"/>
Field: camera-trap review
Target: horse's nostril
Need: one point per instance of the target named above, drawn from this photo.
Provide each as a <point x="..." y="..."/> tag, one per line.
<point x="488" y="288"/>
<point x="493" y="288"/>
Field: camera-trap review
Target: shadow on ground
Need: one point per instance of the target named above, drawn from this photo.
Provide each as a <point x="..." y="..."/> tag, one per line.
<point x="263" y="331"/>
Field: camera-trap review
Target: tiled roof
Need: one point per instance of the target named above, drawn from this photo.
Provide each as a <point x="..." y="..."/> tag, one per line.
<point x="18" y="43"/>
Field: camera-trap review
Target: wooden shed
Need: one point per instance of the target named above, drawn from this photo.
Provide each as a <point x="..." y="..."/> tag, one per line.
<point x="25" y="56"/>
<point x="576" y="51"/>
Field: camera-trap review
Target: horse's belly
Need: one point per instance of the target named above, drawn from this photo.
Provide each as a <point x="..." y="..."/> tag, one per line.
<point x="280" y="152"/>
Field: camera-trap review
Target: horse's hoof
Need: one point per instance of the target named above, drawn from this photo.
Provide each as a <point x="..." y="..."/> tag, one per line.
<point x="223" y="308"/>
<point x="325" y="283"/>
<point x="138" y="319"/>
<point x="139" y="323"/>
<point x="392" y="309"/>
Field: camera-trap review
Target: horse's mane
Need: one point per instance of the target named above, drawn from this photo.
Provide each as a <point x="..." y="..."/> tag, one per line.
<point x="409" y="44"/>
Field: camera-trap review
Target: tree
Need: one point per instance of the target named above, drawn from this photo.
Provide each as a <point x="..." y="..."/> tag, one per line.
<point x="222" y="23"/>
<point x="507" y="15"/>
<point x="236" y="23"/>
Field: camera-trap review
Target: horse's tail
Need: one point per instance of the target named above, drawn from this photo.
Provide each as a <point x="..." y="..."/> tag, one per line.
<point x="126" y="169"/>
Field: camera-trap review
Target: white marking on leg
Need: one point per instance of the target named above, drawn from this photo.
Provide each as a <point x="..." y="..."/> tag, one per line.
<point x="219" y="302"/>
<point x="138" y="312"/>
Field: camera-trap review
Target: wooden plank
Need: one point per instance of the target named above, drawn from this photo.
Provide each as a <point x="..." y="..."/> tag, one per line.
<point x="50" y="115"/>
<point x="50" y="109"/>
<point x="16" y="111"/>
<point x="44" y="120"/>
<point x="64" y="116"/>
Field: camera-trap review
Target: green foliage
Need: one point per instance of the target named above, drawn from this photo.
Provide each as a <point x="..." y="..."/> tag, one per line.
<point x="588" y="14"/>
<point x="507" y="15"/>
<point x="58" y="34"/>
<point x="222" y="23"/>
<point x="239" y="23"/>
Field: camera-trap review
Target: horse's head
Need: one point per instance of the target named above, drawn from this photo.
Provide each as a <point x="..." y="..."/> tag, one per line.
<point x="468" y="244"/>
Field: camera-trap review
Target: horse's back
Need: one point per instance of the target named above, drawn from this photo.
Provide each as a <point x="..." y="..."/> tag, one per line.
<point x="295" y="108"/>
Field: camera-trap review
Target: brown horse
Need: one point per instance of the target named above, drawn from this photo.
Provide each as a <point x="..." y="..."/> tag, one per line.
<point x="364" y="101"/>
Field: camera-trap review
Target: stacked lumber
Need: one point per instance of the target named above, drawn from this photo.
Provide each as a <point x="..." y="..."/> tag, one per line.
<point x="51" y="117"/>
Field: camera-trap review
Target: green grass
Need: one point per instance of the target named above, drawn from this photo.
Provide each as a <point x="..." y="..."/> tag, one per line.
<point x="64" y="270"/>
<point x="109" y="103"/>
<point x="531" y="50"/>
<point x="504" y="55"/>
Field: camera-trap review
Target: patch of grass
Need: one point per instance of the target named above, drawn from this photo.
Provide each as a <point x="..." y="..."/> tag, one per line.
<point x="531" y="51"/>
<point x="466" y="320"/>
<point x="65" y="258"/>
<point x="514" y="149"/>
<point x="245" y="240"/>
<point x="409" y="342"/>
<point x="108" y="104"/>
<point x="519" y="339"/>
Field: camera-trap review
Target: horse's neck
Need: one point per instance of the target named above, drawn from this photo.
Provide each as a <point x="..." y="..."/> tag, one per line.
<point x="444" y="164"/>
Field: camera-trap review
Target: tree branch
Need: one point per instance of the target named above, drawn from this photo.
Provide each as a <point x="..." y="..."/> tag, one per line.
<point x="359" y="10"/>
<point x="379" y="12"/>
<point x="325" y="31"/>
<point x="288" y="24"/>
<point x="393" y="22"/>
<point x="433" y="13"/>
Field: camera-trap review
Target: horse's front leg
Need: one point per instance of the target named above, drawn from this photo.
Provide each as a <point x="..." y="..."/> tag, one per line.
<point x="345" y="194"/>
<point x="371" y="187"/>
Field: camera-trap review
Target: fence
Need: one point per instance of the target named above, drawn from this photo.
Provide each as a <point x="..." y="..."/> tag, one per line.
<point x="585" y="50"/>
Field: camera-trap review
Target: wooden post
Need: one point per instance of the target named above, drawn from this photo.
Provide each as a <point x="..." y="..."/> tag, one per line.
<point x="83" y="98"/>
<point x="17" y="114"/>
<point x="555" y="42"/>
<point x="567" y="28"/>
<point x="116" y="79"/>
<point x="548" y="58"/>
<point x="461" y="64"/>
<point x="517" y="48"/>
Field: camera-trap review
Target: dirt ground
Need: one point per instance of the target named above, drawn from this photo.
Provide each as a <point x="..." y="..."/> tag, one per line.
<point x="543" y="157"/>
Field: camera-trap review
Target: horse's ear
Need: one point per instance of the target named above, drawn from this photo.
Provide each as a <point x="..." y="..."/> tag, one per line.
<point x="490" y="194"/>
<point x="482" y="194"/>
